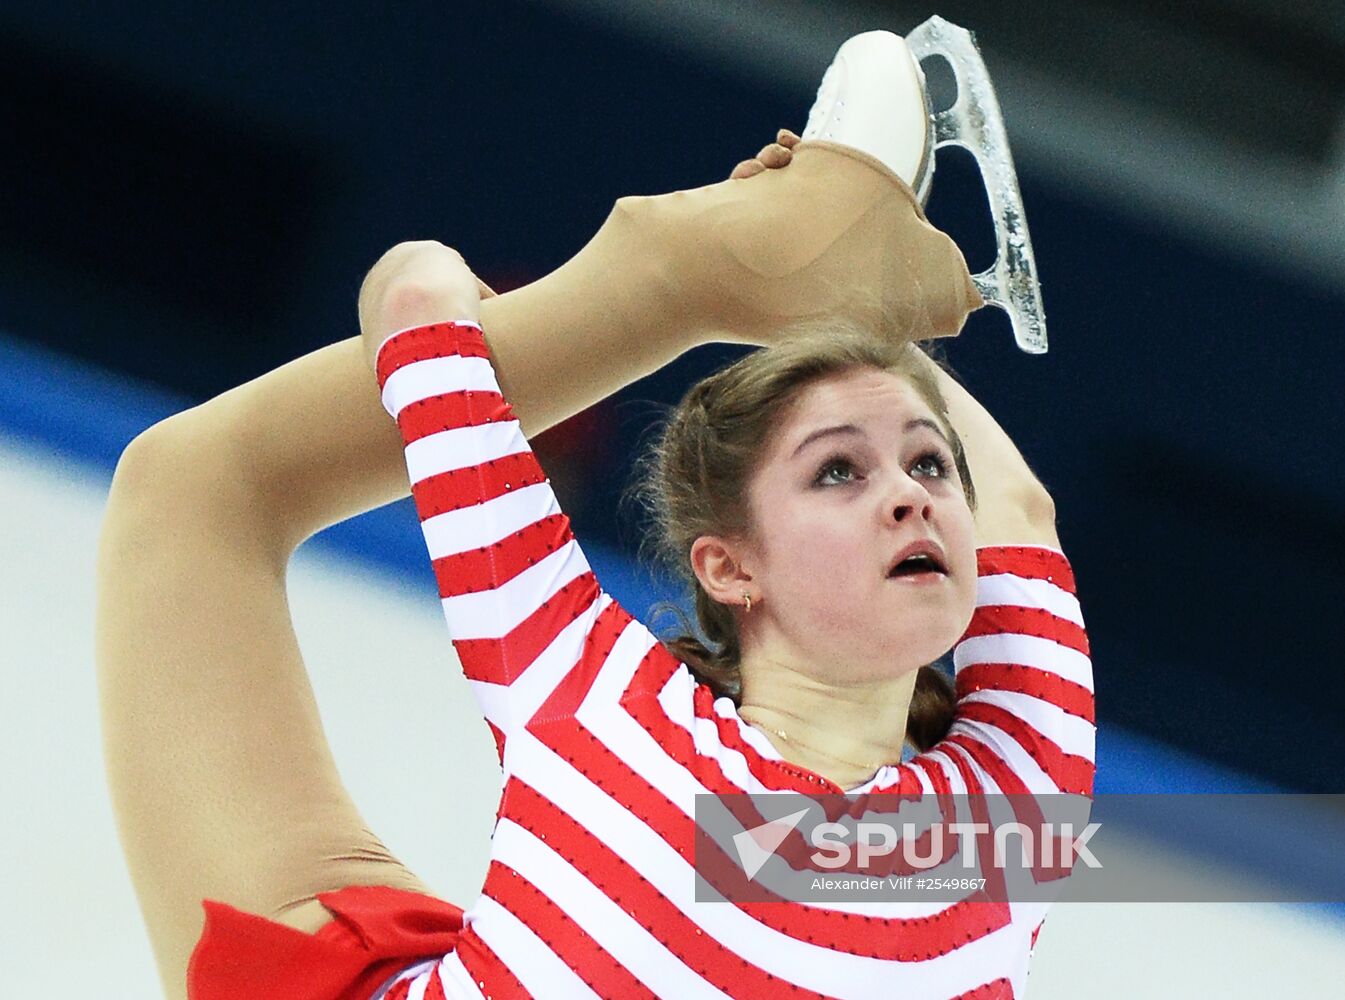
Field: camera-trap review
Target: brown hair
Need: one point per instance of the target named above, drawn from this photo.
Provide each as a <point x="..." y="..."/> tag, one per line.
<point x="696" y="473"/>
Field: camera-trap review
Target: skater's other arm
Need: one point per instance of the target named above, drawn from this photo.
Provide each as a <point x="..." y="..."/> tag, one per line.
<point x="1012" y="505"/>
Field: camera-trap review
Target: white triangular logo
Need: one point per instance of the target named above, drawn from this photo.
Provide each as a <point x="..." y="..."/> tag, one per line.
<point x="759" y="843"/>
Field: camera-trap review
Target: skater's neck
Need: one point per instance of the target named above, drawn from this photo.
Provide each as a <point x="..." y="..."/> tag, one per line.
<point x="843" y="730"/>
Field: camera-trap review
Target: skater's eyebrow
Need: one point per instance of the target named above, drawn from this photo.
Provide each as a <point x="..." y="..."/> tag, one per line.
<point x="844" y="429"/>
<point x="827" y="432"/>
<point x="926" y="422"/>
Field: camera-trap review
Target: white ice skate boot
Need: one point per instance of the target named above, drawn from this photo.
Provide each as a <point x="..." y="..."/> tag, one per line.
<point x="873" y="97"/>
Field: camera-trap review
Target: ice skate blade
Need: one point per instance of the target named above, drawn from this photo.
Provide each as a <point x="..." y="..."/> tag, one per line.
<point x="975" y="123"/>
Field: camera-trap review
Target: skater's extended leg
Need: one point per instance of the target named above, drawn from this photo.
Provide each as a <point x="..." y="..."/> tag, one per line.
<point x="837" y="237"/>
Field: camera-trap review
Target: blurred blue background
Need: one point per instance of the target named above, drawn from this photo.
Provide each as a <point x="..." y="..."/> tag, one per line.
<point x="190" y="196"/>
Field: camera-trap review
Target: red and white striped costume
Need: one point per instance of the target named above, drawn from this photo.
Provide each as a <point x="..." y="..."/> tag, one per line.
<point x="605" y="739"/>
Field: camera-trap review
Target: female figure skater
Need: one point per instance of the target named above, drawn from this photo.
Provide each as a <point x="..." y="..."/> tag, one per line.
<point x="819" y="495"/>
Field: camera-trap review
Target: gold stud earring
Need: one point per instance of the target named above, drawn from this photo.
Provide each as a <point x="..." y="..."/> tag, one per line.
<point x="747" y="601"/>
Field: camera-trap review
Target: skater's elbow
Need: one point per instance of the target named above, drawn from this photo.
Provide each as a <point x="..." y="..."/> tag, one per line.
<point x="1020" y="513"/>
<point x="414" y="283"/>
<point x="408" y="301"/>
<point x="1037" y="506"/>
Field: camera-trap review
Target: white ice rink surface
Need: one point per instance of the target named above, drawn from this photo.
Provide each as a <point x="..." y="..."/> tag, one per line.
<point x="420" y="763"/>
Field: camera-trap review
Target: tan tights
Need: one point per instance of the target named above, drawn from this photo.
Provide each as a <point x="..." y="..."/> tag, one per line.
<point x="834" y="238"/>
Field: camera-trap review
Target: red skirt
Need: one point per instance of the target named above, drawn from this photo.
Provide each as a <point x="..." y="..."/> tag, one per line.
<point x="378" y="932"/>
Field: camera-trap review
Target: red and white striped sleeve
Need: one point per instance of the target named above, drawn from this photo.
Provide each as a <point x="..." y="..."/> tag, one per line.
<point x="1024" y="677"/>
<point x="517" y="592"/>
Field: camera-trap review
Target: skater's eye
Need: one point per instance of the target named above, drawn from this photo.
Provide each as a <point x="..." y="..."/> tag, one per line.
<point x="931" y="464"/>
<point x="836" y="470"/>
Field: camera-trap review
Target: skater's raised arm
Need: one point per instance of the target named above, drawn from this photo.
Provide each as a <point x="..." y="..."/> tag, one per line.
<point x="1012" y="505"/>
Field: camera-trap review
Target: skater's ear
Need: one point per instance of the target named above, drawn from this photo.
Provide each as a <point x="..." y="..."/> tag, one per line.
<point x="721" y="567"/>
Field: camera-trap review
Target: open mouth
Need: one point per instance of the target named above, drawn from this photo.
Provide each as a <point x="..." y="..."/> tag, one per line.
<point x="918" y="563"/>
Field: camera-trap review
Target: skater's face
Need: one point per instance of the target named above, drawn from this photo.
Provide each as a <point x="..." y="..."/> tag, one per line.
<point x="859" y="472"/>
